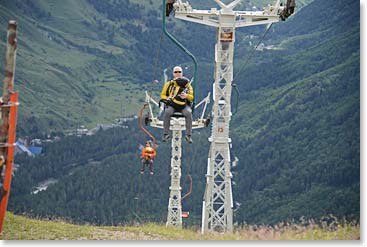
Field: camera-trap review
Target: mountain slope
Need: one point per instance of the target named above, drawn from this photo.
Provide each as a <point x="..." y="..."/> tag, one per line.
<point x="301" y="141"/>
<point x="71" y="59"/>
<point x="297" y="127"/>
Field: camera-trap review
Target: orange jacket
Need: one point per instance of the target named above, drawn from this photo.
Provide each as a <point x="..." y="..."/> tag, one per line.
<point x="148" y="153"/>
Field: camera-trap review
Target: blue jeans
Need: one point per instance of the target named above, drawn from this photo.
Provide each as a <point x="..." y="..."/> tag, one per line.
<point x="145" y="162"/>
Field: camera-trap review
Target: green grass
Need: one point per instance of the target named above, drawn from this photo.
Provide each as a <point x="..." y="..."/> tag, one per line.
<point x="22" y="228"/>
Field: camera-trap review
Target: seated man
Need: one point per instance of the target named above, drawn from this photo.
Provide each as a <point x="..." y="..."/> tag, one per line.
<point x="147" y="158"/>
<point x="177" y="94"/>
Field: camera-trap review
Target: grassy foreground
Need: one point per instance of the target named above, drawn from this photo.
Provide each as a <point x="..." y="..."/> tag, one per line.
<point x="22" y="228"/>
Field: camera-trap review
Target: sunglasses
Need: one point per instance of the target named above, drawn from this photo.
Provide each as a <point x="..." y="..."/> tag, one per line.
<point x="177" y="72"/>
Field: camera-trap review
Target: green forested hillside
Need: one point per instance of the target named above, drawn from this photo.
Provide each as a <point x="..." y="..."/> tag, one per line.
<point x="295" y="132"/>
<point x="298" y="125"/>
<point x="98" y="177"/>
<point x="300" y="147"/>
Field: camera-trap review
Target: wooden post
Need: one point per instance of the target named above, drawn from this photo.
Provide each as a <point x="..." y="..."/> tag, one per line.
<point x="13" y="105"/>
<point x="8" y="106"/>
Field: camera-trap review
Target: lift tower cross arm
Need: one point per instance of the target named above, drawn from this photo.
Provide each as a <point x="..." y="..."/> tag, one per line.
<point x="217" y="212"/>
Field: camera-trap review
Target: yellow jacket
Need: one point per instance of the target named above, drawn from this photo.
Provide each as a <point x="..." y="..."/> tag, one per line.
<point x="171" y="88"/>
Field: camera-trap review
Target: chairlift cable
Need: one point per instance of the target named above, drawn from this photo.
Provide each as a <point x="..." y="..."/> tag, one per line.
<point x="157" y="57"/>
<point x="252" y="52"/>
<point x="238" y="97"/>
<point x="183" y="48"/>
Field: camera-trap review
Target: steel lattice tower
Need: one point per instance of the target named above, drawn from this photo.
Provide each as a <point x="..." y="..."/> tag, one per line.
<point x="177" y="125"/>
<point x="217" y="212"/>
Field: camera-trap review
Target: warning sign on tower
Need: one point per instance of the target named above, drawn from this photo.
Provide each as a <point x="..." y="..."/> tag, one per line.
<point x="226" y="37"/>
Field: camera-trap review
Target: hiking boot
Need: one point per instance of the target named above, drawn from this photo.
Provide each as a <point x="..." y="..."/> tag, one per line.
<point x="165" y="137"/>
<point x="188" y="139"/>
